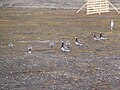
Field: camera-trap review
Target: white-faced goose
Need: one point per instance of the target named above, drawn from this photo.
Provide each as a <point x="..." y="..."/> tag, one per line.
<point x="64" y="48"/>
<point x="29" y="49"/>
<point x="77" y="42"/>
<point x="10" y="45"/>
<point x="102" y="37"/>
<point x="95" y="37"/>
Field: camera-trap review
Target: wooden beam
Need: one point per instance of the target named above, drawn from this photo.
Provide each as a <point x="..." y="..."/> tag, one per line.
<point x="96" y="10"/>
<point x="114" y="7"/>
<point x="81" y="8"/>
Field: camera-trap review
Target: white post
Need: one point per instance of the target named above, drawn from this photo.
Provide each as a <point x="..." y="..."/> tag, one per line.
<point x="112" y="24"/>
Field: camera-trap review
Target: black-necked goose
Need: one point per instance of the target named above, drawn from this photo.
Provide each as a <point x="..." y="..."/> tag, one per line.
<point x="64" y="48"/>
<point x="95" y="37"/>
<point x="10" y="45"/>
<point x="29" y="49"/>
<point x="101" y="37"/>
<point x="77" y="42"/>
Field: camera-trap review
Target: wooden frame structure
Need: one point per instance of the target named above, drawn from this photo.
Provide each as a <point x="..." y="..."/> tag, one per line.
<point x="97" y="6"/>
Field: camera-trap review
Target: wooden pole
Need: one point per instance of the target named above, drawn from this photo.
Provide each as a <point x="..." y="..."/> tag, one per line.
<point x="81" y="8"/>
<point x="96" y="10"/>
<point x="113" y="7"/>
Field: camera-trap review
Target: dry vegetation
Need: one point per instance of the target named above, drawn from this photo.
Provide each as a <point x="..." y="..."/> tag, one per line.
<point x="95" y="66"/>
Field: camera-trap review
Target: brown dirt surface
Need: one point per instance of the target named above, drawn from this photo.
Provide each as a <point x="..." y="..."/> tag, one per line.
<point x="94" y="66"/>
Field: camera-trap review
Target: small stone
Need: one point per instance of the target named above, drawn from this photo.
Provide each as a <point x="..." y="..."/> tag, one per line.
<point x="119" y="68"/>
<point x="23" y="82"/>
<point x="6" y="77"/>
<point x="11" y="72"/>
<point x="23" y="64"/>
<point x="2" y="87"/>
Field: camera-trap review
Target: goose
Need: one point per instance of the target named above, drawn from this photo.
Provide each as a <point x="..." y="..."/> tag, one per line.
<point x="101" y="37"/>
<point x="67" y="43"/>
<point x="10" y="45"/>
<point x="29" y="49"/>
<point x="64" y="48"/>
<point x="77" y="42"/>
<point x="95" y="37"/>
<point x="51" y="44"/>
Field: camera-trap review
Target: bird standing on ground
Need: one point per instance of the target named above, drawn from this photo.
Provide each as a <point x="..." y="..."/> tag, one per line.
<point x="101" y="37"/>
<point x="64" y="48"/>
<point x="52" y="44"/>
<point x="10" y="45"/>
<point x="95" y="37"/>
<point x="29" y="49"/>
<point x="77" y="42"/>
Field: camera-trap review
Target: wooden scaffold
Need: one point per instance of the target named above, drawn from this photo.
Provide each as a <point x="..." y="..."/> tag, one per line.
<point x="97" y="6"/>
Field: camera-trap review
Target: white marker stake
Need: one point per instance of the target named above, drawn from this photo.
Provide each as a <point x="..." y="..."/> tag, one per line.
<point x="112" y="24"/>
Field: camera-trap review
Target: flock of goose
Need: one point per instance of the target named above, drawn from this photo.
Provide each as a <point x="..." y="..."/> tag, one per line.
<point x="65" y="45"/>
<point x="100" y="37"/>
<point x="65" y="48"/>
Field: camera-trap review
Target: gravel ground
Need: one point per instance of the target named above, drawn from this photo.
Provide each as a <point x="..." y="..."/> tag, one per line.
<point x="50" y="70"/>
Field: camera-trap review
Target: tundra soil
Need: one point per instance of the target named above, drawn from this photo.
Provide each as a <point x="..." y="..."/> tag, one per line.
<point x="93" y="66"/>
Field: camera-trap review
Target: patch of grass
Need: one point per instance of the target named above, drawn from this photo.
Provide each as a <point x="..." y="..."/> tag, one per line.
<point x="0" y="34"/>
<point x="54" y="24"/>
<point x="58" y="25"/>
